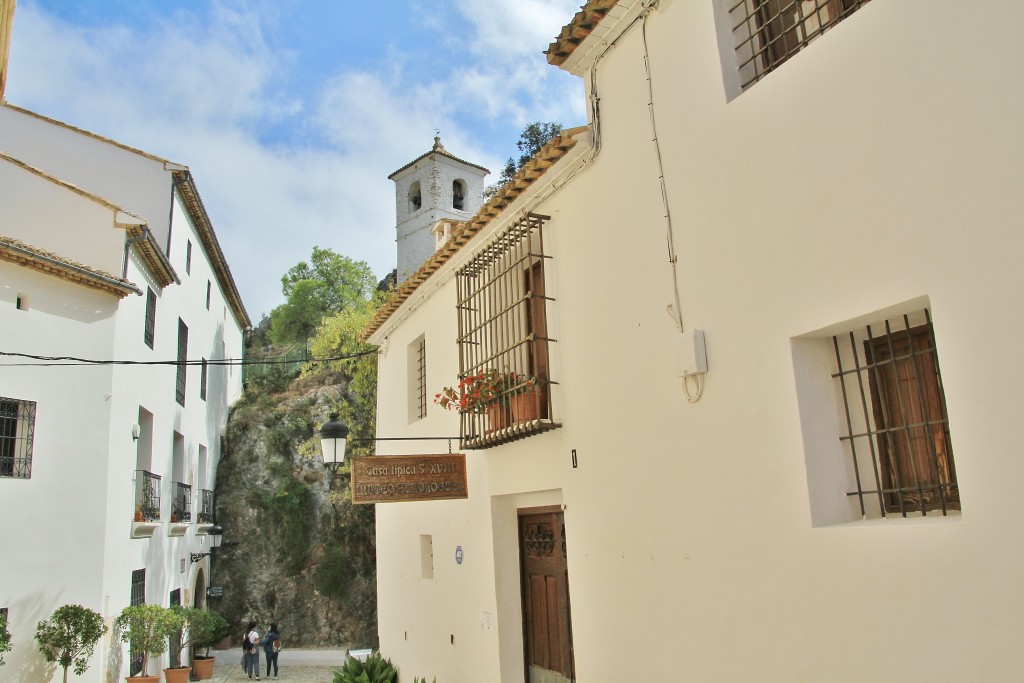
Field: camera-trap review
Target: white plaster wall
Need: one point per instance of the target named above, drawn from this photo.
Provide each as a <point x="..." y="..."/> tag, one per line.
<point x="48" y="216"/>
<point x="54" y="535"/>
<point x="872" y="169"/>
<point x="127" y="178"/>
<point x="75" y="544"/>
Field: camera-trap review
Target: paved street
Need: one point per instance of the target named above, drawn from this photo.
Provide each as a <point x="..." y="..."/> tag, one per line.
<point x="296" y="666"/>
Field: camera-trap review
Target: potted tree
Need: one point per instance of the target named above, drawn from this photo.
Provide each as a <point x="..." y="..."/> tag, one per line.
<point x="69" y="636"/>
<point x="5" y="637"/>
<point x="199" y="629"/>
<point x="146" y="629"/>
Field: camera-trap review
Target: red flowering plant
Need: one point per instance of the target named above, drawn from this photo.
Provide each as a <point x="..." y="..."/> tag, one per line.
<point x="475" y="392"/>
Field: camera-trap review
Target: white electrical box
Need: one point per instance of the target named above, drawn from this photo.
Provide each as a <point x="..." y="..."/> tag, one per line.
<point x="691" y="357"/>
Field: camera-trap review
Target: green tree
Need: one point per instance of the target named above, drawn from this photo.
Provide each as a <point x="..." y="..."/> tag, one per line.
<point x="146" y="629"/>
<point x="533" y="137"/>
<point x="327" y="284"/>
<point x="5" y="637"/>
<point x="69" y="636"/>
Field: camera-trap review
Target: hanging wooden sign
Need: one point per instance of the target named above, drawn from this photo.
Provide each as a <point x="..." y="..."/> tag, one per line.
<point x="402" y="478"/>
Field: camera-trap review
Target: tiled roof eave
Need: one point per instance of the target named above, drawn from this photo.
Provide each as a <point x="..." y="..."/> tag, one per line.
<point x="28" y="256"/>
<point x="204" y="228"/>
<point x="534" y="169"/>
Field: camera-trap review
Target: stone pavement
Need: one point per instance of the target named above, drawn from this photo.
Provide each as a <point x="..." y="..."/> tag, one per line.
<point x="295" y="666"/>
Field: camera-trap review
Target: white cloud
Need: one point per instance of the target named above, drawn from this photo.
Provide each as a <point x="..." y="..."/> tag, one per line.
<point x="281" y="171"/>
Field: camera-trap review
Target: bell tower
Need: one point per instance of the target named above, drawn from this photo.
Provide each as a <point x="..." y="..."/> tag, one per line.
<point x="433" y="187"/>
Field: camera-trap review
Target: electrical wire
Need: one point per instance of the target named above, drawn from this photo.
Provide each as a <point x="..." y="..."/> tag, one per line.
<point x="66" y="361"/>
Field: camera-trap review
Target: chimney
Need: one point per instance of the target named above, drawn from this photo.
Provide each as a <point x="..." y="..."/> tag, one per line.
<point x="6" y="21"/>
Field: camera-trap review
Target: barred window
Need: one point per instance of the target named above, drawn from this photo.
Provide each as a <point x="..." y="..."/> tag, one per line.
<point x="503" y="338"/>
<point x="896" y="427"/>
<point x="768" y="32"/>
<point x="17" y="429"/>
<point x="179" y="394"/>
<point x="147" y="335"/>
<point x="417" y="372"/>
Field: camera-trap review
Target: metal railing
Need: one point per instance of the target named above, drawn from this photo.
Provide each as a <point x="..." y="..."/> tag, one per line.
<point x="181" y="507"/>
<point x="147" y="496"/>
<point x="205" y="512"/>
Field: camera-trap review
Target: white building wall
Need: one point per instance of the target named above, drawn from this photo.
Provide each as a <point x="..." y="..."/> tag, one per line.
<point x="75" y="544"/>
<point x="870" y="170"/>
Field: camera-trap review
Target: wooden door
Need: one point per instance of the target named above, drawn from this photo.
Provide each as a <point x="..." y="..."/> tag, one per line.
<point x="547" y="626"/>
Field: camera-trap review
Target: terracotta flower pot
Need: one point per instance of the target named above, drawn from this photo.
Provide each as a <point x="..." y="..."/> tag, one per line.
<point x="177" y="675"/>
<point x="143" y="679"/>
<point x="202" y="667"/>
<point x="138" y="515"/>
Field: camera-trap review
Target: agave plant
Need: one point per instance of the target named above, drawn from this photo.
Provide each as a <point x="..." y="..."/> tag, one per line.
<point x="375" y="669"/>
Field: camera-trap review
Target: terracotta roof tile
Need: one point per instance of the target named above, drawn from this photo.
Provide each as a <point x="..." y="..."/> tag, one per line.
<point x="28" y="256"/>
<point x="573" y="33"/>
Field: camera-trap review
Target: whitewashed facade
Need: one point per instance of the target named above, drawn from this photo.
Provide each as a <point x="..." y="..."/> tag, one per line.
<point x="92" y="234"/>
<point x="713" y="528"/>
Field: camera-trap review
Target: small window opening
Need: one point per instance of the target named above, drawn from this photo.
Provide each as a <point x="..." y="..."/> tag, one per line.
<point x="22" y="302"/>
<point x="188" y="257"/>
<point x="415" y="198"/>
<point x="458" y="194"/>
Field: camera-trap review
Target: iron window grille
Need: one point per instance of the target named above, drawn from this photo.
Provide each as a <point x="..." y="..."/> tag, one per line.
<point x="181" y="509"/>
<point x="179" y="394"/>
<point x="205" y="512"/>
<point x="138" y="597"/>
<point x="421" y="378"/>
<point x="502" y="331"/>
<point x="147" y="495"/>
<point x="768" y="32"/>
<point x="17" y="433"/>
<point x="897" y="429"/>
<point x="147" y="335"/>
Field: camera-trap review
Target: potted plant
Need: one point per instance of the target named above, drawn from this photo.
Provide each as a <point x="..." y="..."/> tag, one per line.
<point x="200" y="629"/>
<point x="146" y="629"/>
<point x="503" y="396"/>
<point x="5" y="637"/>
<point x="69" y="636"/>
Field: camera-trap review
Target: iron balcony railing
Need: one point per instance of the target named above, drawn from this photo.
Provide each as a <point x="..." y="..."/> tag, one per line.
<point x="147" y="496"/>
<point x="181" y="508"/>
<point x="205" y="513"/>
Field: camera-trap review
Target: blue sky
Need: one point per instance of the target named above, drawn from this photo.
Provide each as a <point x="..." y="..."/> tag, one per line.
<point x="292" y="113"/>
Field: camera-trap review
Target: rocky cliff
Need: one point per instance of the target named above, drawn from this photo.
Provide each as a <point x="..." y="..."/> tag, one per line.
<point x="296" y="551"/>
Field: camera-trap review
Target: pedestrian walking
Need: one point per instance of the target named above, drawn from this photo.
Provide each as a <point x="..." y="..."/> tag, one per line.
<point x="251" y="650"/>
<point x="271" y="648"/>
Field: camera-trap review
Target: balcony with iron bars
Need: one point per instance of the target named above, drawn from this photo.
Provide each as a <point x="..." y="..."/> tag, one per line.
<point x="181" y="509"/>
<point x="204" y="511"/>
<point x="147" y="504"/>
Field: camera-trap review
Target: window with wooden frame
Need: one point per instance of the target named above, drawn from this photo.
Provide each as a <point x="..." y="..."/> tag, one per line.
<point x="768" y="32"/>
<point x="17" y="433"/>
<point x="179" y="386"/>
<point x="150" y="327"/>
<point x="504" y="347"/>
<point x="896" y="427"/>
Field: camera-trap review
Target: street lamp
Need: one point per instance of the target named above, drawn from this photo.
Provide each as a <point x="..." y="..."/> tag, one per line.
<point x="333" y="436"/>
<point x="215" y="533"/>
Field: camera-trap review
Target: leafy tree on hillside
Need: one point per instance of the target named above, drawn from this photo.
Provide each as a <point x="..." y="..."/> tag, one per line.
<point x="533" y="137"/>
<point x="327" y="284"/>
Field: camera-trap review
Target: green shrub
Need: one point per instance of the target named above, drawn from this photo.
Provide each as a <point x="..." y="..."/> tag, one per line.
<point x="5" y="637"/>
<point x="332" y="573"/>
<point x="375" y="669"/>
<point x="69" y="636"/>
